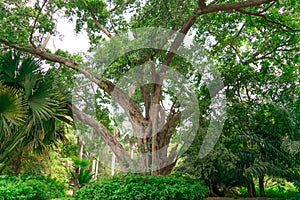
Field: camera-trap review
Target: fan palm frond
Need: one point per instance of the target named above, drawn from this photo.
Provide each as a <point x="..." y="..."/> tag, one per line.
<point x="12" y="108"/>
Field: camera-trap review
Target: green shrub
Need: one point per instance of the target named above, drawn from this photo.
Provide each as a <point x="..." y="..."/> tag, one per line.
<point x="135" y="187"/>
<point x="281" y="192"/>
<point x="30" y="187"/>
<point x="277" y="191"/>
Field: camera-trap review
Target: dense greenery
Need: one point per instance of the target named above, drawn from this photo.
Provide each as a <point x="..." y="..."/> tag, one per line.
<point x="30" y="188"/>
<point x="32" y="104"/>
<point x="279" y="191"/>
<point x="254" y="44"/>
<point x="143" y="187"/>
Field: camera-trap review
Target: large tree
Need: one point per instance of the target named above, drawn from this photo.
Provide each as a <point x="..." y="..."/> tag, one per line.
<point x="264" y="31"/>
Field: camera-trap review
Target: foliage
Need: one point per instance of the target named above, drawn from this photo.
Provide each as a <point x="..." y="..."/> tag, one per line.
<point x="143" y="187"/>
<point x="297" y="185"/>
<point x="69" y="149"/>
<point x="30" y="188"/>
<point x="277" y="191"/>
<point x="59" y="167"/>
<point x="85" y="175"/>
<point x="281" y="192"/>
<point x="34" y="104"/>
<point x="81" y="162"/>
<point x="252" y="146"/>
<point x="254" y="44"/>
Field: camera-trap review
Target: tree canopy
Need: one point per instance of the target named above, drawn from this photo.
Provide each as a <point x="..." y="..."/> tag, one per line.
<point x="253" y="44"/>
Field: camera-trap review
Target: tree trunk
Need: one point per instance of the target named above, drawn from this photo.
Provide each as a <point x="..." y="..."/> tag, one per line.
<point x="261" y="186"/>
<point x="17" y="163"/>
<point x="251" y="189"/>
<point x="152" y="130"/>
<point x="214" y="191"/>
<point x="251" y="186"/>
<point x="77" y="170"/>
<point x="97" y="168"/>
<point x="94" y="168"/>
<point x="113" y="164"/>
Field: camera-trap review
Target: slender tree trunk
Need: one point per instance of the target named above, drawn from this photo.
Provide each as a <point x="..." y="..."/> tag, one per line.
<point x="94" y="169"/>
<point x="261" y="186"/>
<point x="17" y="163"/>
<point x="77" y="170"/>
<point x="251" y="189"/>
<point x="251" y="186"/>
<point x="155" y="157"/>
<point x="113" y="164"/>
<point x="97" y="168"/>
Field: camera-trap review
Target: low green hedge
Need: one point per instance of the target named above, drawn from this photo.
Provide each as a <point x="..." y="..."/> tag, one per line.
<point x="276" y="192"/>
<point x="138" y="187"/>
<point x="30" y="187"/>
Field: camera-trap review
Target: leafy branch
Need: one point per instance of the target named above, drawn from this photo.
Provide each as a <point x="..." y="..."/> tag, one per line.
<point x="34" y="25"/>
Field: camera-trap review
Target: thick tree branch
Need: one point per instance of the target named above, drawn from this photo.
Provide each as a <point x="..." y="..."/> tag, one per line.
<point x="122" y="98"/>
<point x="171" y="123"/>
<point x="116" y="147"/>
<point x="201" y="10"/>
<point x="47" y="56"/>
<point x="233" y="6"/>
<point x="259" y="14"/>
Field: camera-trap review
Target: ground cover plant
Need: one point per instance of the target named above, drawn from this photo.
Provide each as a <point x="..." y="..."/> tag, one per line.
<point x="143" y="187"/>
<point x="30" y="188"/>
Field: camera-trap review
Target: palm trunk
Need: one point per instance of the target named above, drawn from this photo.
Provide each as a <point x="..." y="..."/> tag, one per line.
<point x="261" y="186"/>
<point x="251" y="186"/>
<point x="17" y="164"/>
<point x="251" y="189"/>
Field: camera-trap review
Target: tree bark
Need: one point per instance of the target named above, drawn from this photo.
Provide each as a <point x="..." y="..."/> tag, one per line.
<point x="251" y="186"/>
<point x="77" y="170"/>
<point x="251" y="189"/>
<point x="17" y="163"/>
<point x="261" y="186"/>
<point x="122" y="156"/>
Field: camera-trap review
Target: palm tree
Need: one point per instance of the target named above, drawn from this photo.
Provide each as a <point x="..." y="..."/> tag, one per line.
<point x="261" y="149"/>
<point x="31" y="105"/>
<point x="13" y="113"/>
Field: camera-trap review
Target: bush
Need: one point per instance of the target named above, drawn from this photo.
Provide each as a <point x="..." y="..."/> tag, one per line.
<point x="30" y="187"/>
<point x="277" y="191"/>
<point x="281" y="192"/>
<point x="138" y="187"/>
